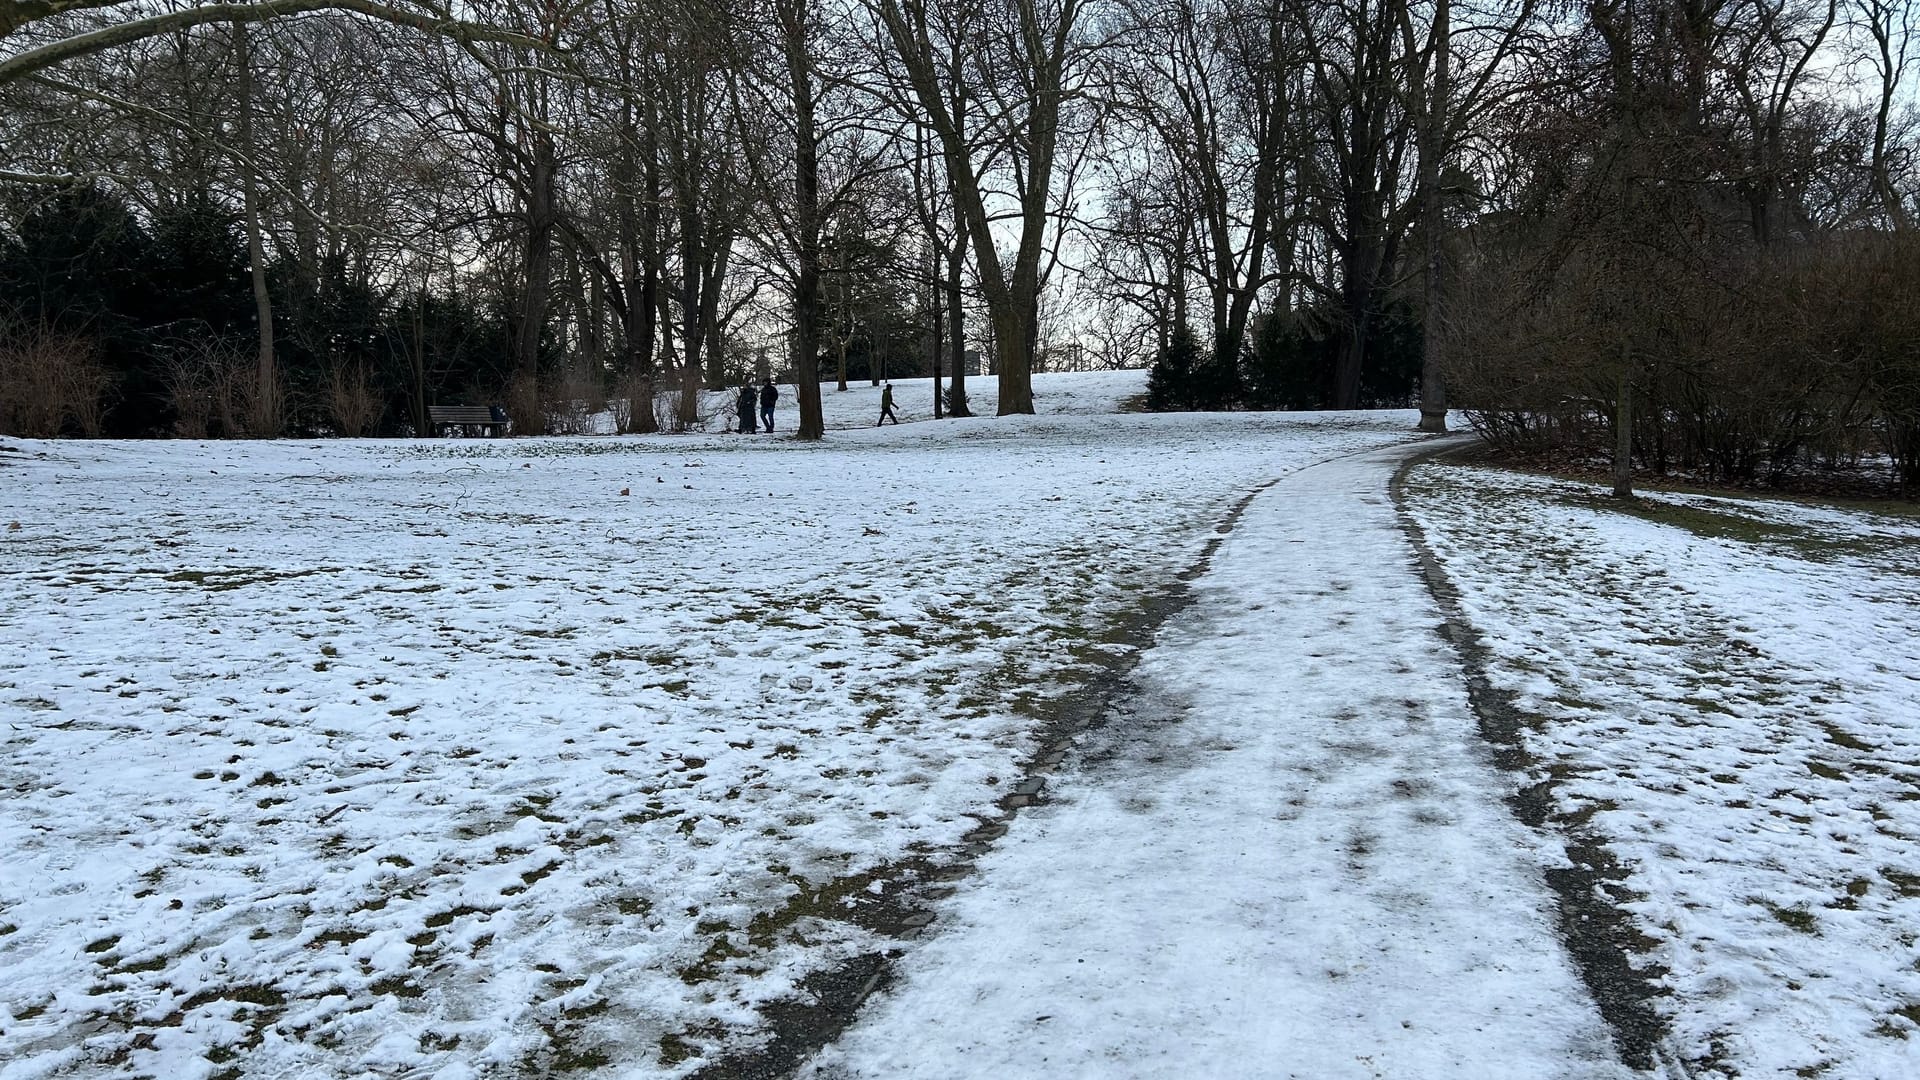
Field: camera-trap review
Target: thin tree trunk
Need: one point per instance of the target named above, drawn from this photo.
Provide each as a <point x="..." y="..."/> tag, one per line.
<point x="957" y="264"/>
<point x="936" y="342"/>
<point x="1433" y="139"/>
<point x="842" y="320"/>
<point x="692" y="337"/>
<point x="956" y="322"/>
<point x="1623" y="433"/>
<point x="1881" y="27"/>
<point x="421" y="427"/>
<point x="265" y="419"/>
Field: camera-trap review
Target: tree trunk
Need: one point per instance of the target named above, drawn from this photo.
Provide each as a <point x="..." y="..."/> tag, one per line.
<point x="265" y="419"/>
<point x="421" y="427"/>
<point x="538" y="261"/>
<point x="806" y="191"/>
<point x="1891" y="65"/>
<point x="1357" y="301"/>
<point x="714" y="276"/>
<point x="956" y="266"/>
<point x="1433" y="147"/>
<point x="936" y="340"/>
<point x="692" y="336"/>
<point x="1623" y="434"/>
<point x="956" y="322"/>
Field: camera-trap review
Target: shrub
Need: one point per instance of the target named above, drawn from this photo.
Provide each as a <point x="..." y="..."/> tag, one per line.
<point x="51" y="384"/>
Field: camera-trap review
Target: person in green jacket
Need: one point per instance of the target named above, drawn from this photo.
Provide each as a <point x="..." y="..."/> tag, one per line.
<point x="886" y="406"/>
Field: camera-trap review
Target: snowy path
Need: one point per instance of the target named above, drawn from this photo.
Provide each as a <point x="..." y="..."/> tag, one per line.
<point x="1290" y="860"/>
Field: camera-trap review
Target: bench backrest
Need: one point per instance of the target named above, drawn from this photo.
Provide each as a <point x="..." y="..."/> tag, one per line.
<point x="460" y="414"/>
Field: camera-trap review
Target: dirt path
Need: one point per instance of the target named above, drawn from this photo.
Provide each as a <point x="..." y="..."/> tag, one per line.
<point x="1285" y="855"/>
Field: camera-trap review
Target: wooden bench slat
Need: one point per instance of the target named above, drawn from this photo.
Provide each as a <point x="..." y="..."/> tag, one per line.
<point x="444" y="417"/>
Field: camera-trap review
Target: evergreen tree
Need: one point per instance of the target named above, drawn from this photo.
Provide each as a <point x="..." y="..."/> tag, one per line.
<point x="1288" y="367"/>
<point x="1215" y="382"/>
<point x="1170" y="382"/>
<point x="197" y="271"/>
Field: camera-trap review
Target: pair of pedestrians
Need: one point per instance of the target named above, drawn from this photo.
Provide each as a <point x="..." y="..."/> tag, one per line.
<point x="766" y="396"/>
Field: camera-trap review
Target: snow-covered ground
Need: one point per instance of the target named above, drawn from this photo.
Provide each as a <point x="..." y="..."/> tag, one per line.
<point x="1288" y="858"/>
<point x="480" y="758"/>
<point x="494" y="757"/>
<point x="1728" y="693"/>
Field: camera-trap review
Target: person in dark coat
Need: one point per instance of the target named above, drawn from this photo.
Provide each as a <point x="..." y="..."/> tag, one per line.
<point x="745" y="406"/>
<point x="768" y="395"/>
<point x="886" y="406"/>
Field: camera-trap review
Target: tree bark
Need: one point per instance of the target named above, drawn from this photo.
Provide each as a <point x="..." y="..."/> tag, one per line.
<point x="794" y="21"/>
<point x="1623" y="432"/>
<point x="537" y="260"/>
<point x="956" y="322"/>
<point x="265" y="421"/>
<point x="1433" y="148"/>
<point x="1359" y="284"/>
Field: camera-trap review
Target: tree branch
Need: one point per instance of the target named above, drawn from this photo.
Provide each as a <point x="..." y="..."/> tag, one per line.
<point x="26" y="63"/>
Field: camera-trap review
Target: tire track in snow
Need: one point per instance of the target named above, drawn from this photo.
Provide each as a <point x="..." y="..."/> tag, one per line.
<point x="1598" y="934"/>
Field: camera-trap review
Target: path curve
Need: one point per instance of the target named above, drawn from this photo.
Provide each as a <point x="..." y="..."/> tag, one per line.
<point x="1286" y="856"/>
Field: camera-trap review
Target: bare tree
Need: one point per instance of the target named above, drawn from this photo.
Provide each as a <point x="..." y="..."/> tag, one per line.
<point x="1890" y="26"/>
<point x="1038" y="53"/>
<point x="266" y="386"/>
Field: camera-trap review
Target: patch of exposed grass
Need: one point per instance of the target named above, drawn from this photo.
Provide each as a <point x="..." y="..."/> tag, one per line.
<point x="445" y="918"/>
<point x="1798" y="920"/>
<point x="535" y="806"/>
<point x="1710" y="524"/>
<point x="141" y="967"/>
<point x="1906" y="883"/>
<point x="338" y="936"/>
<point x="654" y="812"/>
<point x="533" y="876"/>
<point x="1840" y="737"/>
<point x="397" y="986"/>
<point x="720" y="949"/>
<point x="241" y="577"/>
<point x="261" y="997"/>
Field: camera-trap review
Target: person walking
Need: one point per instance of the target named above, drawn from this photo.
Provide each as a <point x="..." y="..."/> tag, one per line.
<point x="745" y="407"/>
<point x="886" y="405"/>
<point x="768" y="395"/>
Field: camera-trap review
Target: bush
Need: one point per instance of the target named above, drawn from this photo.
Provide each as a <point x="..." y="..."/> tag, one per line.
<point x="51" y="384"/>
<point x="1745" y="365"/>
<point x="352" y="403"/>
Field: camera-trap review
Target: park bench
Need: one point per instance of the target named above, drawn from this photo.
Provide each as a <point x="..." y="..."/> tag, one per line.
<point x="466" y="418"/>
